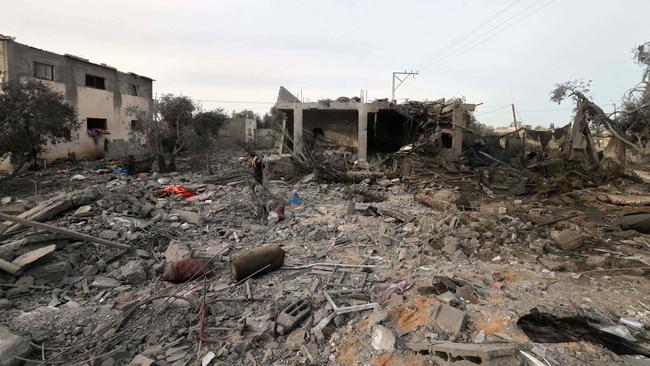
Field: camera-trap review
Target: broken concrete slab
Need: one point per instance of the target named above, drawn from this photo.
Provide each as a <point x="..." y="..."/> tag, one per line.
<point x="567" y="239"/>
<point x="105" y="282"/>
<point x="32" y="256"/>
<point x="11" y="346"/>
<point x="189" y="217"/>
<point x="449" y="318"/>
<point x="51" y="272"/>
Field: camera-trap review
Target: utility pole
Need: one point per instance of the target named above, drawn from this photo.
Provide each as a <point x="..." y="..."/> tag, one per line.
<point x="401" y="80"/>
<point x="523" y="133"/>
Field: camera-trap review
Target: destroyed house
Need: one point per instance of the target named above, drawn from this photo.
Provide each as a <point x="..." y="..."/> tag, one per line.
<point x="101" y="95"/>
<point x="374" y="127"/>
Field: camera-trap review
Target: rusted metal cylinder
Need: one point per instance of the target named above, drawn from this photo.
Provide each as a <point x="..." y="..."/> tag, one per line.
<point x="262" y="260"/>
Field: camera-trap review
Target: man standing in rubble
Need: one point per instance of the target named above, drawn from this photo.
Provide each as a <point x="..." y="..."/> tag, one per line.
<point x="256" y="163"/>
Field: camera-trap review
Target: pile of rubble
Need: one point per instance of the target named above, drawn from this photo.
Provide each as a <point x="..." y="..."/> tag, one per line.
<point x="179" y="269"/>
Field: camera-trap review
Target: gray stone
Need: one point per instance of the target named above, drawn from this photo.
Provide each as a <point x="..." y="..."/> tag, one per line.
<point x="5" y="304"/>
<point x="145" y="211"/>
<point x="133" y="272"/>
<point x="177" y="251"/>
<point x="450" y="245"/>
<point x="450" y="319"/>
<point x="447" y="297"/>
<point x="105" y="282"/>
<point x="295" y="339"/>
<point x="382" y="338"/>
<point x="190" y="217"/>
<point x="11" y="345"/>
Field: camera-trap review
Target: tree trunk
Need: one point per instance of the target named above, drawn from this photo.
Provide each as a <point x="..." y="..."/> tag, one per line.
<point x="207" y="163"/>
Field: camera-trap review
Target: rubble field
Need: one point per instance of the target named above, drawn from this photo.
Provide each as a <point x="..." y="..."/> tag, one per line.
<point x="193" y="269"/>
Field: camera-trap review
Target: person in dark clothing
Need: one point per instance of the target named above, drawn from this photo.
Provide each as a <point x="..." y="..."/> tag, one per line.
<point x="256" y="163"/>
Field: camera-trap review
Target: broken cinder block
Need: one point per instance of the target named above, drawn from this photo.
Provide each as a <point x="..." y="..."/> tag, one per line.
<point x="461" y="354"/>
<point x="449" y="318"/>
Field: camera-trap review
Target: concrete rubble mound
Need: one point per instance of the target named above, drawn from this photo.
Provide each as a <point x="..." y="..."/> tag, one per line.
<point x="418" y="257"/>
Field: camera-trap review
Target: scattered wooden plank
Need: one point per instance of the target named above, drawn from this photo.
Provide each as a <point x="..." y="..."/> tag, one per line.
<point x="49" y="209"/>
<point x="33" y="255"/>
<point x="11" y="268"/>
<point x="390" y="212"/>
<point x="69" y="233"/>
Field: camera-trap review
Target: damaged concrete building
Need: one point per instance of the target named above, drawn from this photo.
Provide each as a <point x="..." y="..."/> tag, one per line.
<point x="101" y="95"/>
<point x="374" y="127"/>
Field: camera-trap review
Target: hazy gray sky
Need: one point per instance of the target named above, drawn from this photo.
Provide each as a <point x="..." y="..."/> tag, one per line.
<point x="244" y="50"/>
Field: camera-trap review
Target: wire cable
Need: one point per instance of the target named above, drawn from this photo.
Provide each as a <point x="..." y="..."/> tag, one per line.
<point x="488" y="35"/>
<point x="452" y="45"/>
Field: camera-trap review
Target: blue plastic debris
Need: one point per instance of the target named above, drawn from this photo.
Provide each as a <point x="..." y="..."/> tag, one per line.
<point x="295" y="199"/>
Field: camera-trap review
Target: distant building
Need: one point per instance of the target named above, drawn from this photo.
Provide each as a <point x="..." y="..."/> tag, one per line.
<point x="100" y="93"/>
<point x="374" y="127"/>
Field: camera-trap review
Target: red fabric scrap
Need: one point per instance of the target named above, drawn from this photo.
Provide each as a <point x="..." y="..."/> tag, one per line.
<point x="179" y="189"/>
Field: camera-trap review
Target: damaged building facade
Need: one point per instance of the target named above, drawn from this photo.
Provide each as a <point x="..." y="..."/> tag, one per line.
<point x="102" y="96"/>
<point x="374" y="127"/>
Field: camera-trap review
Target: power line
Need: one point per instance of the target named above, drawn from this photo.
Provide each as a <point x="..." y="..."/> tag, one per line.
<point x="480" y="40"/>
<point x="473" y="41"/>
<point x="233" y="101"/>
<point x="501" y="107"/>
<point x="450" y="46"/>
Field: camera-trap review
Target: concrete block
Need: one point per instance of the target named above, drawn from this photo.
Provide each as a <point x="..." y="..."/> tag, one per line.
<point x="495" y="354"/>
<point x="449" y="318"/>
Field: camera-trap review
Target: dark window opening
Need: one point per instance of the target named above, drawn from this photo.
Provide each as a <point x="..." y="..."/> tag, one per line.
<point x="134" y="90"/>
<point x="446" y="140"/>
<point x="134" y="123"/>
<point x="96" y="123"/>
<point x="388" y="131"/>
<point x="96" y="82"/>
<point x="43" y="71"/>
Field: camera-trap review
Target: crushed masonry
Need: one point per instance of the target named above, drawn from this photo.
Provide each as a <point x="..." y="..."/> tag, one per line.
<point x="432" y="246"/>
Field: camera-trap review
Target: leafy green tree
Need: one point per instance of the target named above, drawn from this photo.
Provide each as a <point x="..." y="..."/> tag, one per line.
<point x="32" y="115"/>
